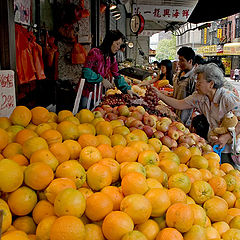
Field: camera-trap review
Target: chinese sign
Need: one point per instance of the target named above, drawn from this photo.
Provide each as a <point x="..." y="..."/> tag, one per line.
<point x="22" y="11"/>
<point x="167" y="13"/>
<point x="7" y="93"/>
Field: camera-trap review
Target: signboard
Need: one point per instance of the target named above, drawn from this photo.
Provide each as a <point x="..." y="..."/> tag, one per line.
<point x="166" y="13"/>
<point x="22" y="11"/>
<point x="7" y="93"/>
<point x="227" y="64"/>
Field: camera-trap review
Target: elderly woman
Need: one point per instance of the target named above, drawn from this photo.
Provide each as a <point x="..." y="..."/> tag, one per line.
<point x="212" y="100"/>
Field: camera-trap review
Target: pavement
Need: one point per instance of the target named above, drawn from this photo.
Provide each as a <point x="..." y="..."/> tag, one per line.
<point x="235" y="84"/>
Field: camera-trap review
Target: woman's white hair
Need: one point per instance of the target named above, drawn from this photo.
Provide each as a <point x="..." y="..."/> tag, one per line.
<point x="211" y="72"/>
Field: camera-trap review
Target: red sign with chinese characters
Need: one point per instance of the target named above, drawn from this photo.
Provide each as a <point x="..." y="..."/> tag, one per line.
<point x="167" y="13"/>
<point x="7" y="93"/>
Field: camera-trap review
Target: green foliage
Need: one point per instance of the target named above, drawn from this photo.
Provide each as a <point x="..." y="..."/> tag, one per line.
<point x="166" y="49"/>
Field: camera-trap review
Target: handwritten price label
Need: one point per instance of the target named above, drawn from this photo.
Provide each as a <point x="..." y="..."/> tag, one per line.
<point x="7" y="93"/>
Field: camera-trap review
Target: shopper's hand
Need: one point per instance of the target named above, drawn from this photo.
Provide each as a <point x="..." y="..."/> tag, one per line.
<point x="107" y="84"/>
<point x="131" y="93"/>
<point x="223" y="139"/>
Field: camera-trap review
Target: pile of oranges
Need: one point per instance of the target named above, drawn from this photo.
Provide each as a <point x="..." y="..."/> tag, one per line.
<point x="66" y="177"/>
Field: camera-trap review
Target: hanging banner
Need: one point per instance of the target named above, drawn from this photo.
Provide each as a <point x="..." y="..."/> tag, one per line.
<point x="7" y="93"/>
<point x="22" y="11"/>
<point x="167" y="13"/>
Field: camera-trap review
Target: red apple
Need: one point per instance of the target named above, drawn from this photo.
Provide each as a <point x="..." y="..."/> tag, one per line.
<point x="137" y="115"/>
<point x="158" y="134"/>
<point x="101" y="110"/>
<point x="184" y="144"/>
<point x="148" y="130"/>
<point x="108" y="109"/>
<point x="122" y="118"/>
<point x="111" y="116"/>
<point x="169" y="142"/>
<point x="132" y="128"/>
<point x="207" y="148"/>
<point x="105" y="106"/>
<point x="140" y="109"/>
<point x="186" y="139"/>
<point x="179" y="125"/>
<point x="165" y="119"/>
<point x="173" y="133"/>
<point x="129" y="120"/>
<point x="137" y="124"/>
<point x="115" y="110"/>
<point x="148" y="120"/>
<point x="162" y="126"/>
<point x="123" y="110"/>
<point x="132" y="108"/>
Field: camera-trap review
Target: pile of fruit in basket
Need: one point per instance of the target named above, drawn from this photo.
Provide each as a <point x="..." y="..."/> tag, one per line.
<point x="84" y="178"/>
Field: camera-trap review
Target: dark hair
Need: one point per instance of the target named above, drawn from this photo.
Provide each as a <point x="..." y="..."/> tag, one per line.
<point x="219" y="63"/>
<point x="123" y="45"/>
<point x="168" y="64"/>
<point x="105" y="47"/>
<point x="187" y="53"/>
<point x="201" y="125"/>
<point x="198" y="60"/>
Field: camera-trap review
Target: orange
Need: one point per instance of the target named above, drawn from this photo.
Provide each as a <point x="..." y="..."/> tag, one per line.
<point x="218" y="185"/>
<point x="169" y="166"/>
<point x="195" y="151"/>
<point x="201" y="191"/>
<point x="116" y="224"/>
<point x="104" y="128"/>
<point x="183" y="167"/>
<point x="88" y="140"/>
<point x="12" y="131"/>
<point x="122" y="130"/>
<point x="74" y="148"/>
<point x="206" y="174"/>
<point x="235" y="222"/>
<point x="140" y="134"/>
<point x="93" y="231"/>
<point x="183" y="153"/>
<point x="180" y="216"/>
<point x="148" y="157"/>
<point x="56" y="186"/>
<point x="53" y="117"/>
<point x="194" y="174"/>
<point x="113" y="166"/>
<point x="21" y="115"/>
<point x="137" y="206"/>
<point x="42" y="210"/>
<point x="60" y="151"/>
<point x="96" y="120"/>
<point x="63" y="114"/>
<point x="116" y="123"/>
<point x="237" y="203"/>
<point x="25" y="224"/>
<point x="85" y="116"/>
<point x="45" y="156"/>
<point x="3" y="138"/>
<point x="153" y="171"/>
<point x="12" y="149"/>
<point x="88" y="156"/>
<point x="5" y="122"/>
<point x="216" y="209"/>
<point x="68" y="130"/>
<point x="73" y="170"/>
<point x="38" y="175"/>
<point x="52" y="136"/>
<point x="156" y="143"/>
<point x="153" y="183"/>
<point x="177" y="195"/>
<point x="231" y="181"/>
<point x="149" y="228"/>
<point x="161" y="222"/>
<point x="221" y="227"/>
<point x="160" y="201"/>
<point x="127" y="154"/>
<point x="134" y="182"/>
<point x="72" y="119"/>
<point x="32" y="145"/>
<point x="22" y="201"/>
<point x="44" y="227"/>
<point x="40" y="115"/>
<point x="6" y="215"/>
<point x="232" y="212"/>
<point x="213" y="159"/>
<point x="69" y="202"/>
<point x="24" y="135"/>
<point x="102" y="139"/>
<point x="199" y="215"/>
<point x="98" y="176"/>
<point x="86" y="192"/>
<point x="67" y="227"/>
<point x="98" y="205"/>
<point x="230" y="198"/>
<point x="15" y="234"/>
<point x="86" y="128"/>
<point x="232" y="233"/>
<point x="117" y="139"/>
<point x="169" y="156"/>
<point x="132" y="167"/>
<point x="139" y="146"/>
<point x="165" y="149"/>
<point x="106" y="151"/>
<point x="134" y="235"/>
<point x="180" y="180"/>
<point x="11" y="175"/>
<point x="195" y="233"/>
<point x="197" y="161"/>
<point x="169" y="233"/>
<point x="226" y="167"/>
<point x="115" y="195"/>
<point x="42" y="127"/>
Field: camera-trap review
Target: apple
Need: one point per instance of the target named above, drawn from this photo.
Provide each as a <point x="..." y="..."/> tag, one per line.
<point x="129" y="120"/>
<point x="148" y="130"/>
<point x="105" y="106"/>
<point x="137" y="115"/>
<point x="148" y="120"/>
<point x="132" y="108"/>
<point x="123" y="118"/>
<point x="158" y="134"/>
<point x="111" y="116"/>
<point x="123" y="110"/>
<point x="184" y="144"/>
<point x="162" y="126"/>
<point x="108" y="109"/>
<point x="173" y="133"/>
<point x="194" y="136"/>
<point x="165" y="119"/>
<point x="132" y="128"/>
<point x="97" y="114"/>
<point x="207" y="148"/>
<point x="101" y="110"/>
<point x="137" y="124"/>
<point x="179" y="125"/>
<point x="140" y="109"/>
<point x="186" y="139"/>
<point x="115" y="110"/>
<point x="169" y="142"/>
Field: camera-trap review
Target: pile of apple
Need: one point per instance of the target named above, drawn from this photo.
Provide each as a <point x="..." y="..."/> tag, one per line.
<point x="171" y="133"/>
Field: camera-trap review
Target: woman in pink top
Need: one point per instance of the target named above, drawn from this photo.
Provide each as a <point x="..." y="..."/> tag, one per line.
<point x="101" y="66"/>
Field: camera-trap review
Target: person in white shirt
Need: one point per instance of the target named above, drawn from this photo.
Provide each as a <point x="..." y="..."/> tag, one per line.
<point x="236" y="74"/>
<point x="120" y="53"/>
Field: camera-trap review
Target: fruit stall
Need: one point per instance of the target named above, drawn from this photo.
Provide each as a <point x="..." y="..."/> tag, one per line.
<point x="120" y="172"/>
